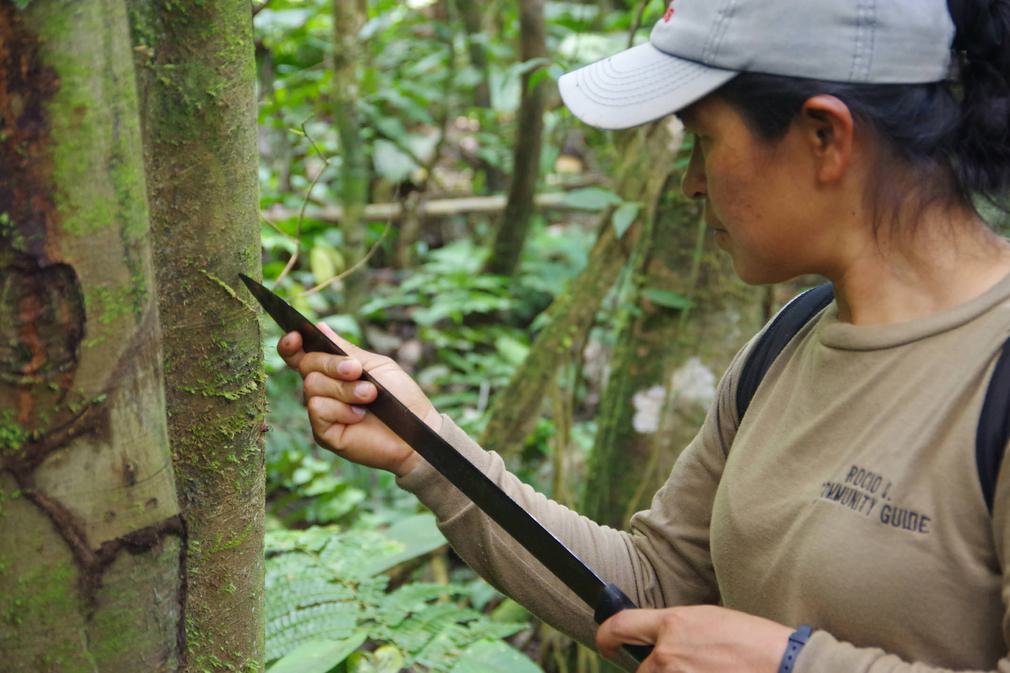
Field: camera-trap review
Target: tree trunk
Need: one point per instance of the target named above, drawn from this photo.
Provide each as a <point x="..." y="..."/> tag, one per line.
<point x="511" y="233"/>
<point x="648" y="160"/>
<point x="472" y="14"/>
<point x="348" y="18"/>
<point x="667" y="361"/>
<point x="91" y="540"/>
<point x="197" y="78"/>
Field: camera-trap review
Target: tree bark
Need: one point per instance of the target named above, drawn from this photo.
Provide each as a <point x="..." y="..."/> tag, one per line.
<point x="348" y="18"/>
<point x="197" y="83"/>
<point x="91" y="541"/>
<point x="511" y="234"/>
<point x="647" y="162"/>
<point x="472" y="14"/>
<point x="667" y="360"/>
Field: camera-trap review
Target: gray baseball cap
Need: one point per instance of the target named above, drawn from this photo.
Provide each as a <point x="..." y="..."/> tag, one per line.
<point x="699" y="45"/>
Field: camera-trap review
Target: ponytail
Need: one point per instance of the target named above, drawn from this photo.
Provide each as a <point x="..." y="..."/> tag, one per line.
<point x="982" y="144"/>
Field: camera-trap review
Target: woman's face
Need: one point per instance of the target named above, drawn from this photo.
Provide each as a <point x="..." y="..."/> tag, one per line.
<point x="757" y="195"/>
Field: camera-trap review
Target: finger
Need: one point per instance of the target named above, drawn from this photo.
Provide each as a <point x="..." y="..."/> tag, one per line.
<point x="334" y="366"/>
<point x="326" y="411"/>
<point x="349" y="392"/>
<point x="290" y="349"/>
<point x="628" y="627"/>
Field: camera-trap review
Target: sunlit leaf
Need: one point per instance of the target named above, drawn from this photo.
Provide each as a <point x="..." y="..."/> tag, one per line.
<point x="592" y="198"/>
<point x="318" y="656"/>
<point x="624" y="217"/>
<point x="667" y="298"/>
<point x="418" y="535"/>
<point x="493" y="656"/>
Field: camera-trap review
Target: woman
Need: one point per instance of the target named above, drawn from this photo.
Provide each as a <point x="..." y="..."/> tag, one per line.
<point x="845" y="139"/>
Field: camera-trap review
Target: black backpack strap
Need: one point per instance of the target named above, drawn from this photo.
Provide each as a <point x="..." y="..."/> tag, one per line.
<point x="994" y="427"/>
<point x="780" y="332"/>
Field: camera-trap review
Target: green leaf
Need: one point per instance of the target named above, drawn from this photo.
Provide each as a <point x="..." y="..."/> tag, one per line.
<point x="493" y="656"/>
<point x="325" y="261"/>
<point x="513" y="350"/>
<point x="318" y="656"/>
<point x="667" y="298"/>
<point x="386" y="659"/>
<point x="417" y="534"/>
<point x="591" y="198"/>
<point x="510" y="611"/>
<point x="624" y="217"/>
<point x="390" y="162"/>
<point x="521" y="69"/>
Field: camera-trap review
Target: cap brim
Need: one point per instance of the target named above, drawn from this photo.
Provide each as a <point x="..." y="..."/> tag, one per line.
<point x="637" y="86"/>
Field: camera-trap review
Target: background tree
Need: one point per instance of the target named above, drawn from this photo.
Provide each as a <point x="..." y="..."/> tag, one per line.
<point x="353" y="180"/>
<point x="685" y="317"/>
<point x="640" y="177"/>
<point x="197" y="83"/>
<point x="91" y="541"/>
<point x="510" y="235"/>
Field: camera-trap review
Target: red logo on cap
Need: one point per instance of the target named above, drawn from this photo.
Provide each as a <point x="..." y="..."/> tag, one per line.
<point x="670" y="11"/>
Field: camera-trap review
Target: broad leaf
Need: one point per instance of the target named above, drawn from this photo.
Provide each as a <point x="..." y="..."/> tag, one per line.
<point x="624" y="217"/>
<point x="318" y="656"/>
<point x="592" y="198"/>
<point x="493" y="656"/>
<point x="667" y="298"/>
<point x="418" y="534"/>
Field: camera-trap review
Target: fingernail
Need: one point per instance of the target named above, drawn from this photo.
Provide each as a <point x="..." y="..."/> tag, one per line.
<point x="358" y="411"/>
<point x="362" y="389"/>
<point x="345" y="367"/>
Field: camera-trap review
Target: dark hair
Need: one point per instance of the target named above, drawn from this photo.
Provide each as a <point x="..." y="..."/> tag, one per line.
<point x="951" y="138"/>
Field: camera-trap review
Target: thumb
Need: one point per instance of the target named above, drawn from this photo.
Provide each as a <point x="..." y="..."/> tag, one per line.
<point x="628" y="627"/>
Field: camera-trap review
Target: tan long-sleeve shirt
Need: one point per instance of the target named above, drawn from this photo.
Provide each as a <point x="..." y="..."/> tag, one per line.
<point x="848" y="499"/>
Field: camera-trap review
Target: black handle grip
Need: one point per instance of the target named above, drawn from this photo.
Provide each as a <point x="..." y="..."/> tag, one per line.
<point x="612" y="601"/>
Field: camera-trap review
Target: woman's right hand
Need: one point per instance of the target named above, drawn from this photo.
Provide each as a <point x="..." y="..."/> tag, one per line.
<point x="337" y="401"/>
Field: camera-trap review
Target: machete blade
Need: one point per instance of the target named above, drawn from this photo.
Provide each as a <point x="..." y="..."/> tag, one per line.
<point x="605" y="599"/>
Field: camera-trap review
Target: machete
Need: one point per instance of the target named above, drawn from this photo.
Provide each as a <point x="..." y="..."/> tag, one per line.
<point x="604" y="598"/>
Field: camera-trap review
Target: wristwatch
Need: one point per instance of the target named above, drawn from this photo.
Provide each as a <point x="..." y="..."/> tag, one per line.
<point x="796" y="643"/>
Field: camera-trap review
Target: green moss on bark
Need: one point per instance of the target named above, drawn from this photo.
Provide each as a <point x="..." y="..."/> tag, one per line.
<point x="82" y="258"/>
<point x="197" y="84"/>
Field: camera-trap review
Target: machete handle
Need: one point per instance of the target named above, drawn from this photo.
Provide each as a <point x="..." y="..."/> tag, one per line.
<point x="612" y="601"/>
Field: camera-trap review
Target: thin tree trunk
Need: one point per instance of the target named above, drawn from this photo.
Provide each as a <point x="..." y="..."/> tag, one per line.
<point x="197" y="78"/>
<point x="648" y="160"/>
<point x="511" y="234"/>
<point x="91" y="541"/>
<point x="667" y="361"/>
<point x="472" y="14"/>
<point x="348" y="18"/>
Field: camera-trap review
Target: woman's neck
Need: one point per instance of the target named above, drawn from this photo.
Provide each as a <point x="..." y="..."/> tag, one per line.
<point x="943" y="261"/>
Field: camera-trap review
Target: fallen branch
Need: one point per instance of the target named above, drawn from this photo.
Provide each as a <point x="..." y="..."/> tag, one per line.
<point x="471" y="205"/>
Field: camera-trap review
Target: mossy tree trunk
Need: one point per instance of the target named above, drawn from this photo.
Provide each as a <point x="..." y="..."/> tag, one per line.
<point x="91" y="542"/>
<point x="197" y="82"/>
<point x="515" y="222"/>
<point x="648" y="155"/>
<point x="687" y="316"/>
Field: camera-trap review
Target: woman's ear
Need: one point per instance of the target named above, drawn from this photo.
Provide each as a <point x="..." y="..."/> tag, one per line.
<point x="828" y="132"/>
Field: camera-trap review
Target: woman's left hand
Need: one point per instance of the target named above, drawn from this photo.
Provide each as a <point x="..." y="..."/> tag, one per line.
<point x="697" y="639"/>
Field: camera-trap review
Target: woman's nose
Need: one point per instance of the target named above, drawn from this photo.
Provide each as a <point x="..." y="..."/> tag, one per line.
<point x="693" y="183"/>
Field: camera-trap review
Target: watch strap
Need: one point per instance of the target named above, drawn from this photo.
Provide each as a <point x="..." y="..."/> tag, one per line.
<point x="796" y="642"/>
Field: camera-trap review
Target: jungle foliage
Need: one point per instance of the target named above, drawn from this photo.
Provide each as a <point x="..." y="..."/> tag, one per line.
<point x="357" y="578"/>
